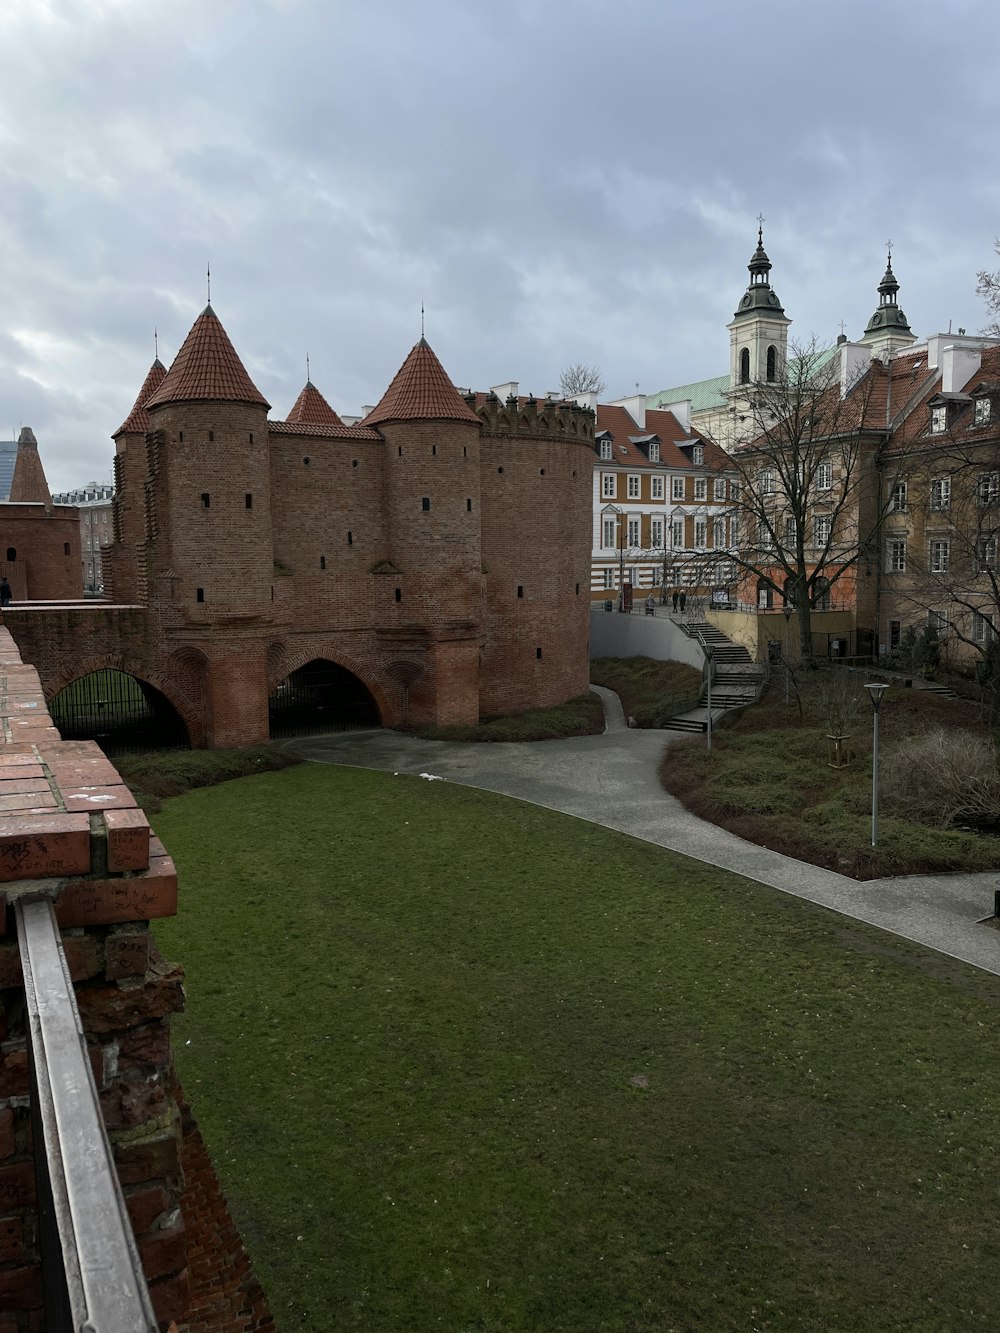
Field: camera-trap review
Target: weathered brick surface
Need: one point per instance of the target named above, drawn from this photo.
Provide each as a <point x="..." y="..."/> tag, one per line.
<point x="126" y="955"/>
<point x="119" y="1007"/>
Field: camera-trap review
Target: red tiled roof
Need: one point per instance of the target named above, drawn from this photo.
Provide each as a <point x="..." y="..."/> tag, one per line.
<point x="662" y="422"/>
<point x="28" y="484"/>
<point x="338" y="432"/>
<point x="421" y="390"/>
<point x="207" y="369"/>
<point x="137" y="421"/>
<point x="312" y="409"/>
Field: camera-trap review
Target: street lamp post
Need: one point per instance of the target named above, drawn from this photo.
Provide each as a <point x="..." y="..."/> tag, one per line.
<point x="787" y="610"/>
<point x="875" y="692"/>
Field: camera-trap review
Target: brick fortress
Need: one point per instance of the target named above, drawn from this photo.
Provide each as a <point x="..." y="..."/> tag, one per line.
<point x="437" y="551"/>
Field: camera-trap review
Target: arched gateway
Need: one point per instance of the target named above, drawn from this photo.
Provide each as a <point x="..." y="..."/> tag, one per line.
<point x="320" y="696"/>
<point x="123" y="714"/>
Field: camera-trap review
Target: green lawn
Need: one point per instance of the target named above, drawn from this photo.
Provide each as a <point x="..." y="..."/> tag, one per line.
<point x="467" y="1064"/>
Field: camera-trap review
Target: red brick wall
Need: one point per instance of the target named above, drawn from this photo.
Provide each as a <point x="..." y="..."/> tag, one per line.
<point x="47" y="542"/>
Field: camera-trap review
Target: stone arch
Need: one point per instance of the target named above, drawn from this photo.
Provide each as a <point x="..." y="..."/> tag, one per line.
<point x="188" y="710"/>
<point x="388" y="711"/>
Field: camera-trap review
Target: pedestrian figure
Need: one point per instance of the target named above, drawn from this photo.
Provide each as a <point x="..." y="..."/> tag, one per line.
<point x="675" y="600"/>
<point x="5" y="593"/>
<point x="650" y="606"/>
<point x="683" y="601"/>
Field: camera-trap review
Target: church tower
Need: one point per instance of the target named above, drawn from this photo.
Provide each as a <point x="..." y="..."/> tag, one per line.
<point x="758" y="332"/>
<point x="887" y="330"/>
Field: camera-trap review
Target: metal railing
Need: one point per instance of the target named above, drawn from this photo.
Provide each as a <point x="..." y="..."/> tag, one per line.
<point x="91" y="1272"/>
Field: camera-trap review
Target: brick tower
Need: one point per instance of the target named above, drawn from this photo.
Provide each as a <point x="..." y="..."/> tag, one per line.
<point x="124" y="564"/>
<point x="432" y="531"/>
<point x="209" y="559"/>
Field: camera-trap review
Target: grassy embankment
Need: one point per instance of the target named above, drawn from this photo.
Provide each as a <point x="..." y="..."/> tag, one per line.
<point x="465" y="1063"/>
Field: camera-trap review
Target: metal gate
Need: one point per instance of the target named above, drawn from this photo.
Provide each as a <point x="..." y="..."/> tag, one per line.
<point x="124" y="715"/>
<point x="320" y="697"/>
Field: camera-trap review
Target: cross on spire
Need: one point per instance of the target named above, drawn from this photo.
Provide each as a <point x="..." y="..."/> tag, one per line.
<point x="888" y="246"/>
<point x="760" y="228"/>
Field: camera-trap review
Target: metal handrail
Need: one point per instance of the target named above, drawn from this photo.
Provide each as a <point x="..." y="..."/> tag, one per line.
<point x="92" y="1273"/>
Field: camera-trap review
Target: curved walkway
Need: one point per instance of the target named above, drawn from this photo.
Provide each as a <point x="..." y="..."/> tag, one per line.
<point x="612" y="780"/>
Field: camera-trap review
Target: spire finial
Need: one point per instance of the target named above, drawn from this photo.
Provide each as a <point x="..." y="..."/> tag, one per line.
<point x="421" y="319"/>
<point x="760" y="228"/>
<point x="156" y="344"/>
<point x="308" y="377"/>
<point x="208" y="276"/>
<point x="843" y="328"/>
<point x="888" y="246"/>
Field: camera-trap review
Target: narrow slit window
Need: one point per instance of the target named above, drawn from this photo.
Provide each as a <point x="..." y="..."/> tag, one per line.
<point x="468" y="505"/>
<point x="206" y="500"/>
<point x="399" y="594"/>
<point x="520" y="590"/>
<point x="538" y="653"/>
<point x="350" y="538"/>
<point x="248" y="500"/>
<point x="211" y="437"/>
<point x="322" y="562"/>
<point x="199" y="594"/>
<point x="425" y="503"/>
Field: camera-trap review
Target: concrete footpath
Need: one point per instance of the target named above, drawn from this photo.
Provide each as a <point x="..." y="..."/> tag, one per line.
<point x="612" y="780"/>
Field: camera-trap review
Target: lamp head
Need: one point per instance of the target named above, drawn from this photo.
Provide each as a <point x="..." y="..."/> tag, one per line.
<point x="875" y="692"/>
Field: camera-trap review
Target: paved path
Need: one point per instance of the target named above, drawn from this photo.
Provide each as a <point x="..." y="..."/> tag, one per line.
<point x="612" y="780"/>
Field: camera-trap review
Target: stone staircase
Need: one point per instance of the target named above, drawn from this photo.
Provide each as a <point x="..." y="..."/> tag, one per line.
<point x="736" y="679"/>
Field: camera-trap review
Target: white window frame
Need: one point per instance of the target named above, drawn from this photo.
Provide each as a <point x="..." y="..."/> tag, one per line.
<point x="765" y="481"/>
<point x="984" y="411"/>
<point x="606" y="449"/>
<point x="988" y="488"/>
<point x="634" y="531"/>
<point x="700" y="488"/>
<point x="656" y="533"/>
<point x="609" y="577"/>
<point x="986" y="553"/>
<point x="734" y="490"/>
<point x="634" y="487"/>
<point x="698" y="454"/>
<point x="654" y="451"/>
<point x="677" y="534"/>
<point x="822" y="528"/>
<point x="939" y="419"/>
<point x="720" y="488"/>
<point x="700" y="534"/>
<point x="983" y="629"/>
<point x="656" y="488"/>
<point x="677" y="488"/>
<point x="609" y="485"/>
<point x="609" y="528"/>
<point x="895" y="555"/>
<point x="897" y="505"/>
<point x="940" y="555"/>
<point x="940" y="495"/>
<point x="718" y="533"/>
<point x="938" y="620"/>
<point x="824" y="477"/>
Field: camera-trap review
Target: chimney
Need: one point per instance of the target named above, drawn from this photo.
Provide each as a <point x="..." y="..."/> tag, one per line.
<point x="854" y="361"/>
<point x="635" y="406"/>
<point x="504" y="391"/>
<point x="958" y="365"/>
<point x="682" y="411"/>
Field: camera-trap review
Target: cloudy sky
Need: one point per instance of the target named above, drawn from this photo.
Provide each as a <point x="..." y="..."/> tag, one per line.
<point x="557" y="180"/>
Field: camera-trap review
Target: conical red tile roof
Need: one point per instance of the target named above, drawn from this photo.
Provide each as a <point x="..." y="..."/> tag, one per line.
<point x="207" y="369"/>
<point x="312" y="409"/>
<point x="28" y="484"/>
<point x="138" y="419"/>
<point x="422" y="390"/>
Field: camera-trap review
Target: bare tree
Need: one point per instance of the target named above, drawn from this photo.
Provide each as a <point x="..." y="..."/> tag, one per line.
<point x="807" y="497"/>
<point x="988" y="287"/>
<point x="580" y="378"/>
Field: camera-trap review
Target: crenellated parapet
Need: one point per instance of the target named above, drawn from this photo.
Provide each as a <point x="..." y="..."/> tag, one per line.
<point x="538" y="418"/>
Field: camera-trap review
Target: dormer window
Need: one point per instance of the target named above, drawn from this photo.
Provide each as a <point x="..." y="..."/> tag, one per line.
<point x="983" y="411"/>
<point x="939" y="419"/>
<point x="654" y="451"/>
<point x="605" y="448"/>
<point x="698" y="454"/>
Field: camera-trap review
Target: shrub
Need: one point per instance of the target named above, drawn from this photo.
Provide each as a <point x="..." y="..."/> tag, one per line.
<point x="944" y="778"/>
